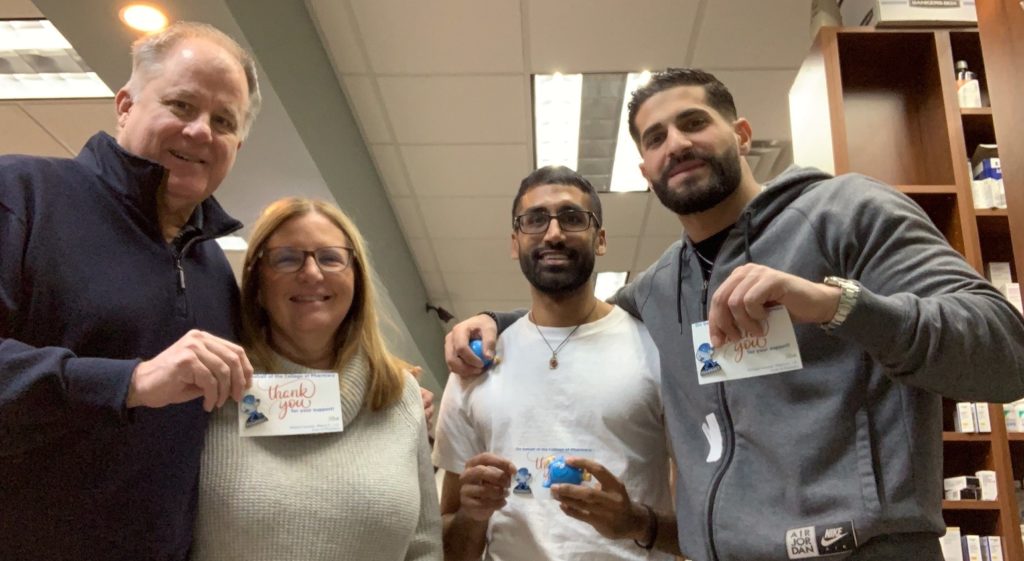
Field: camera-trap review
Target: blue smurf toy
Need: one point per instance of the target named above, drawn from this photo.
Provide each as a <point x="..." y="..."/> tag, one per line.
<point x="704" y="353"/>
<point x="477" y="346"/>
<point x="523" y="479"/>
<point x="251" y="407"/>
<point x="557" y="471"/>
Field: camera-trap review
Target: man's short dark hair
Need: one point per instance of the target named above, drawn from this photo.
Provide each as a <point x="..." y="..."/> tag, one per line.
<point x="559" y="175"/>
<point x="715" y="92"/>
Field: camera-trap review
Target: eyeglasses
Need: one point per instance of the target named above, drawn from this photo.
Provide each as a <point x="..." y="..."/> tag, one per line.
<point x="569" y="220"/>
<point x="290" y="259"/>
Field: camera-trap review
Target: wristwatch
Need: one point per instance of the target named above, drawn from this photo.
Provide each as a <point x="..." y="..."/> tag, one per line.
<point x="849" y="292"/>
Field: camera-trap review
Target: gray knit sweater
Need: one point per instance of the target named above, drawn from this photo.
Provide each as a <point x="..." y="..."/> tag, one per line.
<point x="365" y="494"/>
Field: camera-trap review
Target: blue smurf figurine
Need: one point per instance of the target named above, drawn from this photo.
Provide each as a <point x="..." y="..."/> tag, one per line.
<point x="250" y="406"/>
<point x="704" y="352"/>
<point x="477" y="346"/>
<point x="523" y="479"/>
<point x="557" y="471"/>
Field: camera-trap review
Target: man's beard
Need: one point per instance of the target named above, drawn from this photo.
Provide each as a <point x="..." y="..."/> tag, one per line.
<point x="561" y="280"/>
<point x="724" y="175"/>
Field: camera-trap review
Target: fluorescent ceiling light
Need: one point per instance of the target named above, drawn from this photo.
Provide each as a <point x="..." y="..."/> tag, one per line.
<point x="556" y="113"/>
<point x="626" y="174"/>
<point x="232" y="243"/>
<point x="608" y="283"/>
<point x="37" y="62"/>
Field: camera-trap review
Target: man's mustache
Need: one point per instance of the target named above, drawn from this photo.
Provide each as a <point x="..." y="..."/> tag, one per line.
<point x="688" y="156"/>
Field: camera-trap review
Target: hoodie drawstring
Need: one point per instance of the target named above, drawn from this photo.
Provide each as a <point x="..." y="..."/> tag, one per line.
<point x="747" y="216"/>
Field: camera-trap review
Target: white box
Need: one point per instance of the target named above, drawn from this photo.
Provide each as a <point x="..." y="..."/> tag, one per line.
<point x="963" y="421"/>
<point x="1012" y="292"/>
<point x="952" y="549"/>
<point x="987" y="480"/>
<point x="960" y="482"/>
<point x="983" y="193"/>
<point x="998" y="273"/>
<point x="992" y="548"/>
<point x="908" y="12"/>
<point x="982" y="420"/>
<point x="971" y="546"/>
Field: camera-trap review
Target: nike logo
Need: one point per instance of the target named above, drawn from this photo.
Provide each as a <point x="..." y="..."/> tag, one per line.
<point x="832" y="535"/>
<point x="713" y="433"/>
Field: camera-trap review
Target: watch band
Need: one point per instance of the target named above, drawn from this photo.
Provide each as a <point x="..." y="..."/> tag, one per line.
<point x="848" y="295"/>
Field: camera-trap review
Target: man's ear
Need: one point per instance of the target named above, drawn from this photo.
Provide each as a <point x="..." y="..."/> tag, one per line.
<point x="123" y="103"/>
<point x="602" y="243"/>
<point x="514" y="248"/>
<point x="744" y="135"/>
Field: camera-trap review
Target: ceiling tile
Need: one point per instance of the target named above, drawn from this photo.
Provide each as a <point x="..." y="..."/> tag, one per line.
<point x="608" y="35"/>
<point x="19" y="9"/>
<point x="619" y="257"/>
<point x="476" y="256"/>
<point x="23" y="136"/>
<point x="74" y="122"/>
<point x="467" y="218"/>
<point x="456" y="109"/>
<point x="650" y="250"/>
<point x="389" y="165"/>
<point x="454" y="36"/>
<point x="407" y="211"/>
<point x="762" y="96"/>
<point x="367" y="108"/>
<point x="484" y="286"/>
<point x="754" y="34"/>
<point x="333" y="20"/>
<point x="622" y="211"/>
<point x="467" y="170"/>
<point x="423" y="253"/>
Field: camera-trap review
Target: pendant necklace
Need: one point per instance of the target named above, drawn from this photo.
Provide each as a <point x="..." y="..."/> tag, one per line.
<point x="553" y="361"/>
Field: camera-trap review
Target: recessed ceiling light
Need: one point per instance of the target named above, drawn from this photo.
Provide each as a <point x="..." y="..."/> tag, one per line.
<point x="143" y="17"/>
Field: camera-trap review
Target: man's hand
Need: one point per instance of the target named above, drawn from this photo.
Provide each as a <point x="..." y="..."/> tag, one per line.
<point x="606" y="507"/>
<point x="738" y="305"/>
<point x="197" y="365"/>
<point x="460" y="358"/>
<point x="484" y="485"/>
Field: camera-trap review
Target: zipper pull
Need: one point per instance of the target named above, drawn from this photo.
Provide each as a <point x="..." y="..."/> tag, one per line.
<point x="181" y="275"/>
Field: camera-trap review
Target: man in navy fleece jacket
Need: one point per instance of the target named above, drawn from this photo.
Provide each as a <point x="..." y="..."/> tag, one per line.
<point x="117" y="311"/>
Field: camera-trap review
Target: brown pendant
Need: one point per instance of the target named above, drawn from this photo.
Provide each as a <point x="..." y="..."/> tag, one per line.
<point x="553" y="363"/>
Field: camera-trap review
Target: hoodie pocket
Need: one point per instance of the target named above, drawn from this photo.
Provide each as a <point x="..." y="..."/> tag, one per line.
<point x="869" y="484"/>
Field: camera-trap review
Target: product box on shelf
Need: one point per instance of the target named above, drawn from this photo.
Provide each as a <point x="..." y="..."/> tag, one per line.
<point x="894" y="13"/>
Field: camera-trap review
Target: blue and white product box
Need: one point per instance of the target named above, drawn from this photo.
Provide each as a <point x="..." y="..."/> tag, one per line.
<point x="971" y="546"/>
<point x="952" y="549"/>
<point x="1010" y="416"/>
<point x="991" y="548"/>
<point x="988" y="168"/>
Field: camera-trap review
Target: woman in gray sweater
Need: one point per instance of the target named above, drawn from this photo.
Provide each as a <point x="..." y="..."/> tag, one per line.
<point x="365" y="493"/>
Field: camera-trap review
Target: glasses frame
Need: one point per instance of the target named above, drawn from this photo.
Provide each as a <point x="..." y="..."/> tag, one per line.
<point x="306" y="254"/>
<point x="591" y="219"/>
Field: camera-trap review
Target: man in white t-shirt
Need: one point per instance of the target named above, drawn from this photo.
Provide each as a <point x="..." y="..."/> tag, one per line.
<point x="579" y="378"/>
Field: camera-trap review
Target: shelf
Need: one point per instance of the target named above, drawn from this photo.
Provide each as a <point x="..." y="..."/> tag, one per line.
<point x="970" y="505"/>
<point x="991" y="213"/>
<point x="976" y="111"/>
<point x="1015" y="436"/>
<point x="928" y="189"/>
<point x="950" y="436"/>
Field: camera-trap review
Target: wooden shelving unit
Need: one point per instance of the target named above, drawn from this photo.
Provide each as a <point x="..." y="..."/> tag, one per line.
<point x="883" y="103"/>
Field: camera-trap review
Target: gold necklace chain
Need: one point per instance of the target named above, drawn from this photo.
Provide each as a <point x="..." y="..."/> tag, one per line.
<point x="553" y="361"/>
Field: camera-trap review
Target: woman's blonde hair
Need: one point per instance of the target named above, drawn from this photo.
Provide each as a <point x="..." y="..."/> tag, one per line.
<point x="358" y="331"/>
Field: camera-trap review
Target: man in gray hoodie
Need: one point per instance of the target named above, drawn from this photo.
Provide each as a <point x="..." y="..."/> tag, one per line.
<point x="843" y="457"/>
